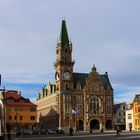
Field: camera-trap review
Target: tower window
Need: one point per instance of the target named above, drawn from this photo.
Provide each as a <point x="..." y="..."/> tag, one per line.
<point x="57" y="51"/>
<point x="65" y="50"/>
<point x="66" y="86"/>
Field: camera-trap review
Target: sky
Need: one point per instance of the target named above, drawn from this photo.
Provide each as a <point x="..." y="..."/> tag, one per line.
<point x="103" y="32"/>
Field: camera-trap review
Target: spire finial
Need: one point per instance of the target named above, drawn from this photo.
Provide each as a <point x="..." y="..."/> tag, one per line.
<point x="64" y="39"/>
<point x="94" y="68"/>
<point x="63" y="18"/>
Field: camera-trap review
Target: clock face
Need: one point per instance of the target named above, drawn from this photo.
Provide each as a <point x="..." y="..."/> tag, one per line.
<point x="66" y="75"/>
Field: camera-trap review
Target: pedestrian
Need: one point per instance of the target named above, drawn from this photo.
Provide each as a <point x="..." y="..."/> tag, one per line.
<point x="90" y="130"/>
<point x="102" y="130"/>
<point x="71" y="131"/>
<point x="130" y="129"/>
<point x="118" y="132"/>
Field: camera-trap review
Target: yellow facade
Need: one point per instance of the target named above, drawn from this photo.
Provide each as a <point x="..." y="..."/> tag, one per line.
<point x="136" y="113"/>
<point x="21" y="115"/>
<point x="20" y="112"/>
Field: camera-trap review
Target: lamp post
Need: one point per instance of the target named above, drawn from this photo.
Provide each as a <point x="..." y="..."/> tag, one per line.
<point x="4" y="111"/>
<point x="102" y="125"/>
<point x="87" y="117"/>
<point x="17" y="129"/>
<point x="1" y="117"/>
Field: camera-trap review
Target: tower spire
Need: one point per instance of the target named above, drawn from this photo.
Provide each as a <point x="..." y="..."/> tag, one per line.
<point x="63" y="33"/>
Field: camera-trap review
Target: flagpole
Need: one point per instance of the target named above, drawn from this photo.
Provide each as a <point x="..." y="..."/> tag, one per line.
<point x="69" y="118"/>
<point x="69" y="115"/>
<point x="75" y="121"/>
<point x="78" y="123"/>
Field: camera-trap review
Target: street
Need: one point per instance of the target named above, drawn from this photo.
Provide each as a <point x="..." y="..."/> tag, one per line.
<point x="84" y="136"/>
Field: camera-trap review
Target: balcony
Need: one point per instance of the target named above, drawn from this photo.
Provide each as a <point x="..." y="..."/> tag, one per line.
<point x="62" y="63"/>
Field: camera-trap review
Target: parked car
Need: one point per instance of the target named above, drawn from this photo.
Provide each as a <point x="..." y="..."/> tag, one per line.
<point x="26" y="131"/>
<point x="60" y="131"/>
<point x="43" y="131"/>
<point x="51" y="131"/>
<point x="35" y="131"/>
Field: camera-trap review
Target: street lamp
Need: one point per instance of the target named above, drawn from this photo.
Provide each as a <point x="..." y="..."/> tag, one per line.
<point x="102" y="119"/>
<point x="4" y="110"/>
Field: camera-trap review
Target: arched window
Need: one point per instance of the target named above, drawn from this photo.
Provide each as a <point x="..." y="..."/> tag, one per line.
<point x="66" y="86"/>
<point x="94" y="104"/>
<point x="78" y="86"/>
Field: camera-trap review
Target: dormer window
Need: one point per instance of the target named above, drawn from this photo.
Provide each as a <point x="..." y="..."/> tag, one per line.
<point x="78" y="86"/>
<point x="21" y="100"/>
<point x="10" y="100"/>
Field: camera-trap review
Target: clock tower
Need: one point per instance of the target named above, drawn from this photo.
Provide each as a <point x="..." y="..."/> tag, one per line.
<point x="63" y="75"/>
<point x="64" y="63"/>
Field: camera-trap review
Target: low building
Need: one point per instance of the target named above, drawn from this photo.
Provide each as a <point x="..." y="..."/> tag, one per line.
<point x="20" y="112"/>
<point x="129" y="117"/>
<point x="136" y="111"/>
<point x="119" y="115"/>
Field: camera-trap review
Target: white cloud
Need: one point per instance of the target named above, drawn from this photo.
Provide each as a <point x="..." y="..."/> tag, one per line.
<point x="103" y="33"/>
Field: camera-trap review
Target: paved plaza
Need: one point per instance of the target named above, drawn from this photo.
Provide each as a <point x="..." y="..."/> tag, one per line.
<point x="85" y="136"/>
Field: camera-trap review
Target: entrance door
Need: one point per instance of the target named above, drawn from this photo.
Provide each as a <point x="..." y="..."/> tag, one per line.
<point x="94" y="124"/>
<point x="108" y="124"/>
<point x="80" y="125"/>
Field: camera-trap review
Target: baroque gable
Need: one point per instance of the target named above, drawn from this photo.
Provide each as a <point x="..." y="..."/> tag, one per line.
<point x="94" y="83"/>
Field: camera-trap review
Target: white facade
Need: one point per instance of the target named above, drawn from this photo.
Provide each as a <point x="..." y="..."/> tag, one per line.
<point x="129" y="119"/>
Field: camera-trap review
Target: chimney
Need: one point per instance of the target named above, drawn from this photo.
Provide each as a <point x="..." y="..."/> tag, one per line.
<point x="19" y="93"/>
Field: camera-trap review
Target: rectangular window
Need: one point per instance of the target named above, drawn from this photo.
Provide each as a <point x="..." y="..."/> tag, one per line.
<point x="21" y="118"/>
<point x="119" y="113"/>
<point x="15" y="117"/>
<point x="32" y="118"/>
<point x="129" y="116"/>
<point x="138" y="109"/>
<point x="20" y="109"/>
<point x="108" y="110"/>
<point x="135" y="121"/>
<point x="9" y="109"/>
<point x="33" y="109"/>
<point x="67" y="107"/>
<point x="10" y="117"/>
<point x="79" y="108"/>
<point x="135" y="109"/>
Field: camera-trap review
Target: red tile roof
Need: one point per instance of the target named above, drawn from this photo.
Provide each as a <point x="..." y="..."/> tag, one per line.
<point x="18" y="100"/>
<point x="11" y="93"/>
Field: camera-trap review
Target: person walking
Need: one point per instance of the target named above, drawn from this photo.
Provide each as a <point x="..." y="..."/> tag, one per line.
<point x="71" y="131"/>
<point x="118" y="132"/>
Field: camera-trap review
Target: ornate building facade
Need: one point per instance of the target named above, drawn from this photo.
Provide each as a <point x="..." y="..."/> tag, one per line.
<point x="81" y="100"/>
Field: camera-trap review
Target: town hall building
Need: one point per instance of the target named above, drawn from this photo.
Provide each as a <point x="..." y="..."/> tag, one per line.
<point x="83" y="101"/>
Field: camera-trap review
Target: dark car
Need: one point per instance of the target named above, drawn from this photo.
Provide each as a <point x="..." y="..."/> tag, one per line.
<point x="60" y="131"/>
<point x="36" y="132"/>
<point x="43" y="131"/>
<point x="51" y="131"/>
<point x="26" y="131"/>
